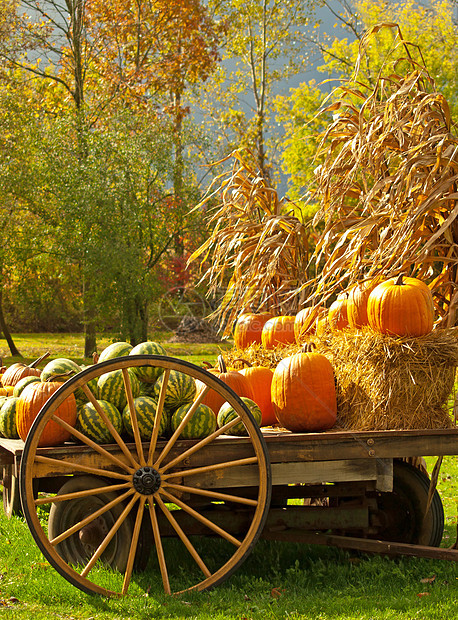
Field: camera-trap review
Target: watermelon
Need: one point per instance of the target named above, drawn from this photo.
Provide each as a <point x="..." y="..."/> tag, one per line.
<point x="116" y="349"/>
<point x="110" y="387"/>
<point x="8" y="426"/>
<point x="201" y="424"/>
<point x="227" y="413"/>
<point x="24" y="382"/>
<point x="148" y="374"/>
<point x="58" y="367"/>
<point x="145" y="408"/>
<point x="181" y="389"/>
<point x="90" y="423"/>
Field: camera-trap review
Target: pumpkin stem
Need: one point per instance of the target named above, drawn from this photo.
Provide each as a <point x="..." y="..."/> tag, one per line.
<point x="399" y="281"/>
<point x="40" y="359"/>
<point x="221" y="364"/>
<point x="308" y="347"/>
<point x="243" y="362"/>
<point x="206" y="364"/>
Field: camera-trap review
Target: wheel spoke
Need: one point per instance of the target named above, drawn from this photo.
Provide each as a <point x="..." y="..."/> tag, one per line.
<point x="133" y="544"/>
<point x="104" y="544"/>
<point x="205" y="468"/>
<point x="171" y="442"/>
<point x="159" y="548"/>
<point x="92" y="444"/>
<point x="158" y="416"/>
<point x="201" y="444"/>
<point x="184" y="539"/>
<point x="51" y="499"/>
<point x="116" y="436"/>
<point x="224" y="497"/>
<point x="174" y="500"/>
<point x="46" y="460"/>
<point x="133" y="416"/>
<point x="90" y="518"/>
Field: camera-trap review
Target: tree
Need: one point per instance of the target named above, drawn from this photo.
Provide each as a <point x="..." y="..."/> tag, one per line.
<point x="264" y="45"/>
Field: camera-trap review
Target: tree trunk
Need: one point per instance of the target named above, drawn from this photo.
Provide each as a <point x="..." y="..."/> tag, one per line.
<point x="6" y="331"/>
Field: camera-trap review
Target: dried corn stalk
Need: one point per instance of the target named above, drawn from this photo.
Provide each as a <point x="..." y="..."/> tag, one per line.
<point x="257" y="250"/>
<point x="388" y="185"/>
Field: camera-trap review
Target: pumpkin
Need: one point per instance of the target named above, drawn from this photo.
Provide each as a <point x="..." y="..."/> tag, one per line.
<point x="337" y="313"/>
<point x="357" y="303"/>
<point x="260" y="379"/>
<point x="18" y="371"/>
<point x="306" y="321"/>
<point x="401" y="306"/>
<point x="248" y="329"/>
<point x="29" y="404"/>
<point x="303" y="392"/>
<point x="278" y="330"/>
<point x="230" y="377"/>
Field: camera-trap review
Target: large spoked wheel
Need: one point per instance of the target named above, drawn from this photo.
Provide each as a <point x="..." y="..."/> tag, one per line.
<point x="175" y="491"/>
<point x="402" y="512"/>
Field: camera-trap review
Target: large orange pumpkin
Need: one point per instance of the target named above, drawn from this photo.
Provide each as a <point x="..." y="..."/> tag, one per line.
<point x="233" y="378"/>
<point x="29" y="404"/>
<point x="303" y="392"/>
<point x="401" y="306"/>
<point x="277" y="331"/>
<point x="18" y="371"/>
<point x="260" y="378"/>
<point x="306" y="321"/>
<point x="248" y="329"/>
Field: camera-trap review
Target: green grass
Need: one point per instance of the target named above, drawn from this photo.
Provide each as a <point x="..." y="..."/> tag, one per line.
<point x="32" y="346"/>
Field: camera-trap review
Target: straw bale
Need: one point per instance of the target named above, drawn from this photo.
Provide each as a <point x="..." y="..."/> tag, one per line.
<point x="382" y="382"/>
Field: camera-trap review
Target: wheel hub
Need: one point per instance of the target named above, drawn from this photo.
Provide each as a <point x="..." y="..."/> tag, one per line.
<point x="147" y="480"/>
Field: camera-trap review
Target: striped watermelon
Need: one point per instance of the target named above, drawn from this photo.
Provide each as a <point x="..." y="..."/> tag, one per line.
<point x="148" y="374"/>
<point x="145" y="408"/>
<point x="8" y="426"/>
<point x="201" y="424"/>
<point x="227" y="413"/>
<point x="181" y="389"/>
<point x="54" y="369"/>
<point x="90" y="423"/>
<point x="116" y="349"/>
<point x="110" y="387"/>
<point x="23" y="383"/>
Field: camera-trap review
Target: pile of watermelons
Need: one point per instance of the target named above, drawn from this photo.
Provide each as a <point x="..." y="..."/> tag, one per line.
<point x="109" y="391"/>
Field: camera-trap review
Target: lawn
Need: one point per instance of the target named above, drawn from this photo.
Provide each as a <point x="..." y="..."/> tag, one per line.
<point x="277" y="581"/>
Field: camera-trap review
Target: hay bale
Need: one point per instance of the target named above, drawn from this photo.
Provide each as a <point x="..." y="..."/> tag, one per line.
<point x="382" y="382"/>
<point x="385" y="382"/>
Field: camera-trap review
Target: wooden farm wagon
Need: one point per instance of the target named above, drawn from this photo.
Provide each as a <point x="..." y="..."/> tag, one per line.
<point x="116" y="503"/>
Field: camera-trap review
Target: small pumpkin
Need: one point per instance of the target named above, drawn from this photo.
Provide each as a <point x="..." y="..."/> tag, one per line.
<point x="401" y="306"/>
<point x="248" y="329"/>
<point x="357" y="303"/>
<point x="260" y="378"/>
<point x="17" y="371"/>
<point x="29" y="404"/>
<point x="279" y="330"/>
<point x="306" y="321"/>
<point x="337" y="313"/>
<point x="233" y="378"/>
<point x="303" y="392"/>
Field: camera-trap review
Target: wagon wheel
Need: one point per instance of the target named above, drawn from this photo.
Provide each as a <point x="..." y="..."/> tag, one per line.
<point x="402" y="511"/>
<point x="156" y="481"/>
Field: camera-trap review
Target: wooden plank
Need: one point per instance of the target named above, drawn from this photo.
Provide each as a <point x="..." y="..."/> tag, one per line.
<point x="289" y="473"/>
